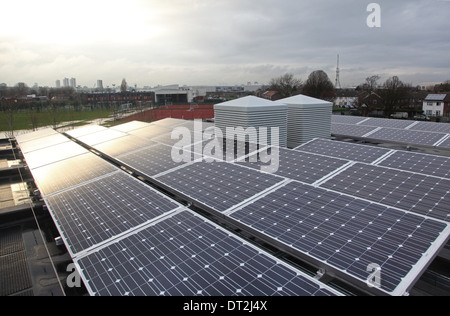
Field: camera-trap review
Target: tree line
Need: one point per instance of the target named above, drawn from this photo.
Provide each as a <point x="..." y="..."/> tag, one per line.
<point x="391" y="96"/>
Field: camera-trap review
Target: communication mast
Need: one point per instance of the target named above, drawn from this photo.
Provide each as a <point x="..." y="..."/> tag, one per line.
<point x="337" y="85"/>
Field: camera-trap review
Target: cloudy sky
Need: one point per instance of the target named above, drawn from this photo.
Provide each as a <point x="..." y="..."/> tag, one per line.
<point x="212" y="42"/>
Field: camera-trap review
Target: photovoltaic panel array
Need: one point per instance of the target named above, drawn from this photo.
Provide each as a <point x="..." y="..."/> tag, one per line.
<point x="186" y="255"/>
<point x="347" y="234"/>
<point x="428" y="134"/>
<point x="207" y="185"/>
<point x="425" y="164"/>
<point x="343" y="233"/>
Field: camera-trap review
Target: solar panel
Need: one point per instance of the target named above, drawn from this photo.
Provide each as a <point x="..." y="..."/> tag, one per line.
<point x="70" y="172"/>
<point x="191" y="125"/>
<point x="44" y="142"/>
<point x="354" y="152"/>
<point x="421" y="163"/>
<point x="178" y="136"/>
<point x="186" y="255"/>
<point x="381" y="122"/>
<point x="409" y="191"/>
<point x="435" y="97"/>
<point x="49" y="155"/>
<point x="346" y="234"/>
<point x="97" y="211"/>
<point x="153" y="160"/>
<point x="350" y="130"/>
<point x="151" y="131"/>
<point x="169" y="122"/>
<point x="407" y="136"/>
<point x="218" y="185"/>
<point x="123" y="145"/>
<point x="344" y="119"/>
<point x="296" y="165"/>
<point x="432" y="127"/>
<point x="101" y="137"/>
<point x="35" y="135"/>
<point x="86" y="130"/>
<point x="130" y="126"/>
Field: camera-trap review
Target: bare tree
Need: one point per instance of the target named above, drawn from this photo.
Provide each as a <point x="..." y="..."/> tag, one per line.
<point x="395" y="95"/>
<point x="371" y="83"/>
<point x="319" y="86"/>
<point x="286" y="85"/>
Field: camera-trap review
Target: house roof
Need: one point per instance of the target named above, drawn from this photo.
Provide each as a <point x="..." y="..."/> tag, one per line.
<point x="438" y="97"/>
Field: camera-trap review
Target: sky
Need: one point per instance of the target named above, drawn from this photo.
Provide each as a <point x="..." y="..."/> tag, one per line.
<point x="221" y="42"/>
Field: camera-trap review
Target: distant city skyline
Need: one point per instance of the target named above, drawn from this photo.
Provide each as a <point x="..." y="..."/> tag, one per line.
<point x="201" y="42"/>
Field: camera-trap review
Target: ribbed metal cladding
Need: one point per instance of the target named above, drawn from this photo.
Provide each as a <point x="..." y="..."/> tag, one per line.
<point x="308" y="118"/>
<point x="252" y="112"/>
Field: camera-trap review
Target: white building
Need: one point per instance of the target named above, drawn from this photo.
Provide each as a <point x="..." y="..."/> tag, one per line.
<point x="437" y="105"/>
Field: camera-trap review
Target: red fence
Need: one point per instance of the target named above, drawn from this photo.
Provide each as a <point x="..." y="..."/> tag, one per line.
<point x="185" y="112"/>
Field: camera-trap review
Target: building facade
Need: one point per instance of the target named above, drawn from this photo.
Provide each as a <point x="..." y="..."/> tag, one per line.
<point x="437" y="105"/>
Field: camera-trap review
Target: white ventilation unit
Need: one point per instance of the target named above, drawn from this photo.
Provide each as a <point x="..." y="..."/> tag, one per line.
<point x="254" y="112"/>
<point x="308" y="118"/>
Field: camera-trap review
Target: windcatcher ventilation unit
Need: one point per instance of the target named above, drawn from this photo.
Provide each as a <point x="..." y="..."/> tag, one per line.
<point x="254" y="112"/>
<point x="308" y="118"/>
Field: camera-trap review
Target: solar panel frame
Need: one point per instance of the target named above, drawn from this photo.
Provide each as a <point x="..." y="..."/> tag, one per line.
<point x="343" y="235"/>
<point x="104" y="209"/>
<point x="184" y="254"/>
